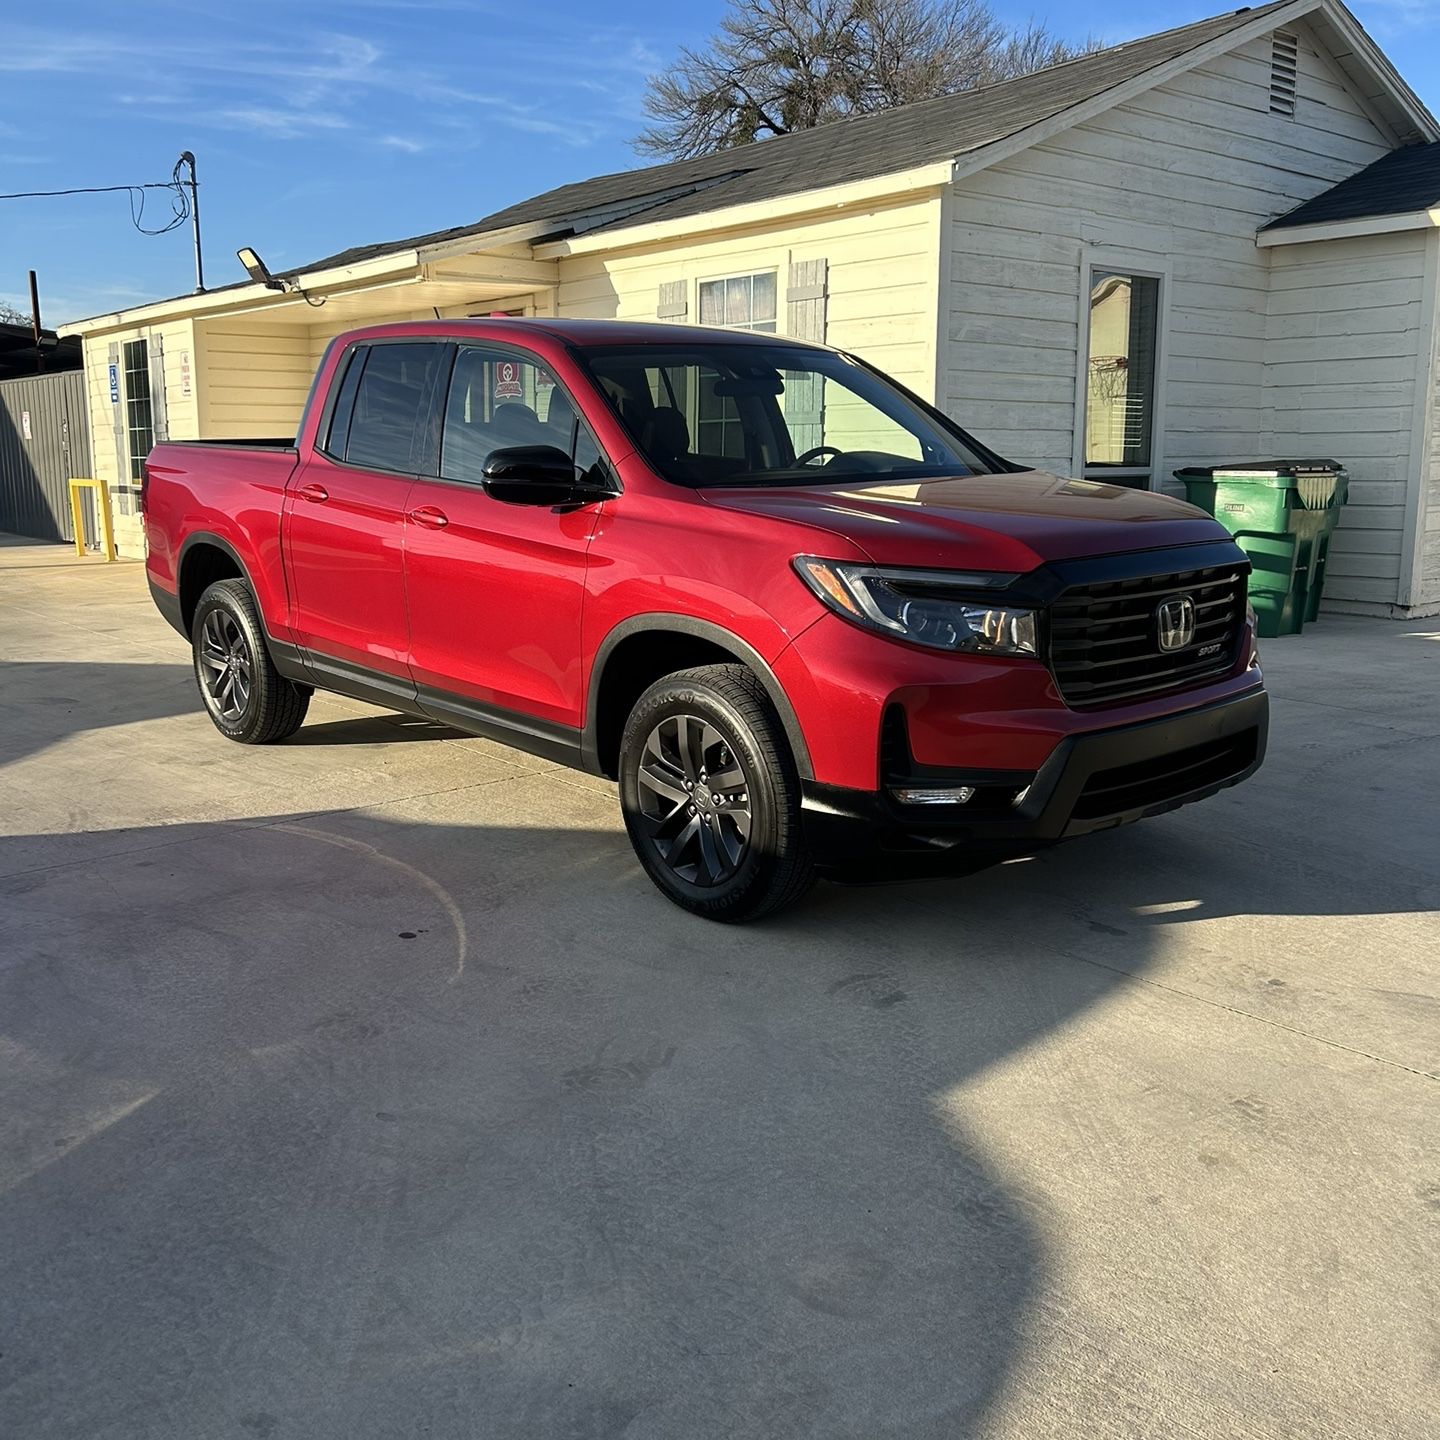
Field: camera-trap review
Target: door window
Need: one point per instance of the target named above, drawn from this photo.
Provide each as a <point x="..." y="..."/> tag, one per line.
<point x="498" y="400"/>
<point x="1120" y="376"/>
<point x="344" y="408"/>
<point x="391" y="396"/>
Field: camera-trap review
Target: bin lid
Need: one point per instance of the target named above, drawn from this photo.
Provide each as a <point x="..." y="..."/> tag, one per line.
<point x="1262" y="470"/>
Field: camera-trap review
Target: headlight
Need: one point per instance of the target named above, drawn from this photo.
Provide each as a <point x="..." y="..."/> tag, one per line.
<point x="936" y="608"/>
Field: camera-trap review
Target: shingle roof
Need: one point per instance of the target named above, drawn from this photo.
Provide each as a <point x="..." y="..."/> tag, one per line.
<point x="1399" y="183"/>
<point x="855" y="149"/>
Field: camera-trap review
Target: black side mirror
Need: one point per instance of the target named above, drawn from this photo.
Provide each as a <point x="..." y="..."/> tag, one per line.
<point x="531" y="475"/>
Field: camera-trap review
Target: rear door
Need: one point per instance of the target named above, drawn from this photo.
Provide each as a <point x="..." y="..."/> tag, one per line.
<point x="496" y="590"/>
<point x="346" y="515"/>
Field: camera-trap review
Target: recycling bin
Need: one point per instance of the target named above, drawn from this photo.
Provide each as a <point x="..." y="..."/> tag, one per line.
<point x="1282" y="514"/>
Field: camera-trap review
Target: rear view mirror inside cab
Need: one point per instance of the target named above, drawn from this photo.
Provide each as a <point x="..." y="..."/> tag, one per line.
<point x="741" y="387"/>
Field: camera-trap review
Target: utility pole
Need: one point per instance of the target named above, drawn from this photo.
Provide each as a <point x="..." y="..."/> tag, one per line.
<point x="35" y="323"/>
<point x="188" y="158"/>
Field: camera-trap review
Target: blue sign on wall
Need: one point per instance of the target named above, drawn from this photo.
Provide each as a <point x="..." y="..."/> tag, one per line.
<point x="114" y="384"/>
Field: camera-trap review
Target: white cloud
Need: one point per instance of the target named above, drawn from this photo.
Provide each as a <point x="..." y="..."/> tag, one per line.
<point x="329" y="82"/>
<point x="1390" y="18"/>
<point x="60" y="307"/>
<point x="280" y="124"/>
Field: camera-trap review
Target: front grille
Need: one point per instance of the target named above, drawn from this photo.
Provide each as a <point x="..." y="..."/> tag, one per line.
<point x="1104" y="637"/>
<point x="1166" y="777"/>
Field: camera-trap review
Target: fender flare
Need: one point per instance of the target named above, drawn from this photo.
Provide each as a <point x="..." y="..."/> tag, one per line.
<point x="661" y="622"/>
<point x="208" y="537"/>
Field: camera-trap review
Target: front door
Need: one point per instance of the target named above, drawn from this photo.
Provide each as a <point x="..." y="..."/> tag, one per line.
<point x="346" y="517"/>
<point x="496" y="590"/>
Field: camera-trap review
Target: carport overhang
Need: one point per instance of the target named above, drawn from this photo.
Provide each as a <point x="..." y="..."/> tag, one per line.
<point x="459" y="277"/>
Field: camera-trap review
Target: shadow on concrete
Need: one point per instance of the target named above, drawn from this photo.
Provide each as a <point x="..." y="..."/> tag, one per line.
<point x="342" y="1126"/>
<point x="350" y="1126"/>
<point x="45" y="702"/>
<point x="387" y="729"/>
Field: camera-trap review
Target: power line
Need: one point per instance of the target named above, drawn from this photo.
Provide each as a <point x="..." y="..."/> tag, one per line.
<point x="180" y="202"/>
<point x="86" y="190"/>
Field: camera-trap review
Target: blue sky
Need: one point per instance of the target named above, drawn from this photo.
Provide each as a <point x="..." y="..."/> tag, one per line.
<point x="319" y="124"/>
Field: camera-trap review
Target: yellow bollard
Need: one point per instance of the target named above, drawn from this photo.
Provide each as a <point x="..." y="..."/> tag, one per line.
<point x="102" y="504"/>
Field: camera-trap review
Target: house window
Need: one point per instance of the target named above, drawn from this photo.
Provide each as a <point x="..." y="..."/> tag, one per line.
<point x="743" y="302"/>
<point x="139" y="420"/>
<point x="1120" y="373"/>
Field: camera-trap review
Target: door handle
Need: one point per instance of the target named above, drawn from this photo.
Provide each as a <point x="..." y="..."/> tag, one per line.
<point x="316" y="494"/>
<point x="429" y="516"/>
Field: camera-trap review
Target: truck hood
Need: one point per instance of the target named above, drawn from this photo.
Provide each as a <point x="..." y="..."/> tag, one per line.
<point x="1008" y="522"/>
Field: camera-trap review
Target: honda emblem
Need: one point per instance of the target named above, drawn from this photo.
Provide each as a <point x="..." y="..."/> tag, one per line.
<point x="1175" y="622"/>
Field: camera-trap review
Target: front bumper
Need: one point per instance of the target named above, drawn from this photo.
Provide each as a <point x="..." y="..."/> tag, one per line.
<point x="1091" y="781"/>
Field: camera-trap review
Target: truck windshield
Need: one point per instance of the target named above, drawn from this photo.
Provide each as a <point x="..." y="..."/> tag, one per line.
<point x="745" y="414"/>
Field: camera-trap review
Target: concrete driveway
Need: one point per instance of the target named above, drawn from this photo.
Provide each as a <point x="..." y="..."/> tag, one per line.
<point x="362" y="1087"/>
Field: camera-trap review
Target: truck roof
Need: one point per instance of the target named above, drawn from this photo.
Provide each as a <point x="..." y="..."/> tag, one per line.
<point x="584" y="334"/>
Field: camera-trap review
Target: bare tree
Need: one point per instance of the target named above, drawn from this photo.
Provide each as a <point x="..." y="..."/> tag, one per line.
<point x="13" y="314"/>
<point x="777" y="66"/>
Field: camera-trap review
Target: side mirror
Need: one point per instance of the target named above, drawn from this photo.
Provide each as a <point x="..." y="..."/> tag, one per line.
<point x="530" y="475"/>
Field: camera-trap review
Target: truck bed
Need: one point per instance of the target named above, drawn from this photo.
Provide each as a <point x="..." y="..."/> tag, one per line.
<point x="280" y="442"/>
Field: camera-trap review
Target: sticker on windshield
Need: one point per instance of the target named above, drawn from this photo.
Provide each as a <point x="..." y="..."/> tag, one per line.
<point x="507" y="381"/>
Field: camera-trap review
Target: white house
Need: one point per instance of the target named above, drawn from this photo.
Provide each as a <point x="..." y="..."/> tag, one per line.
<point x="1216" y="243"/>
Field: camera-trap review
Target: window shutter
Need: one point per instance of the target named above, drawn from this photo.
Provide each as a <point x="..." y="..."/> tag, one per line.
<point x="159" y="419"/>
<point x="673" y="303"/>
<point x="805" y="320"/>
<point x="805" y="300"/>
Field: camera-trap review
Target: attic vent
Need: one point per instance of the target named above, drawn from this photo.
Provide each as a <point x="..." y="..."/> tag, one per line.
<point x="1284" y="61"/>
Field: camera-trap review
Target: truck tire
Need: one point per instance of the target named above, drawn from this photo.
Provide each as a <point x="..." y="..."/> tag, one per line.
<point x="711" y="797"/>
<point x="247" y="698"/>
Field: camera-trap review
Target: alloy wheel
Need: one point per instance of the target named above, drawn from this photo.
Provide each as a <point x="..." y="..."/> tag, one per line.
<point x="227" y="671"/>
<point x="694" y="800"/>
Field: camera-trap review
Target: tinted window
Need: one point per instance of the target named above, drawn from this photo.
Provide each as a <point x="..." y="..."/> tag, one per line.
<point x="392" y="393"/>
<point x="345" y="402"/>
<point x="497" y="400"/>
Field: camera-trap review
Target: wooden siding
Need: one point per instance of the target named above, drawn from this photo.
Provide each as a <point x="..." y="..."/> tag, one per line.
<point x="1341" y="358"/>
<point x="1428" y="597"/>
<point x="882" y="263"/>
<point x="1426" y="589"/>
<point x="1176" y="181"/>
<point x="257" y="375"/>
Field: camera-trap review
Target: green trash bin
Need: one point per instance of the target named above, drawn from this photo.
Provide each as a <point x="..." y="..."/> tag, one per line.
<point x="1282" y="514"/>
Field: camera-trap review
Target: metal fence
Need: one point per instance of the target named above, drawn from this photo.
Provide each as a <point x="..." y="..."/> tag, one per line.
<point x="44" y="440"/>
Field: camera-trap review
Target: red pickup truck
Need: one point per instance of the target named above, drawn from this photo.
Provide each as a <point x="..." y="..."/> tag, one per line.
<point x="808" y="623"/>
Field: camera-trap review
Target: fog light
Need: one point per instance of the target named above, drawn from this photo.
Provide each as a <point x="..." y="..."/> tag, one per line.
<point x="953" y="795"/>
